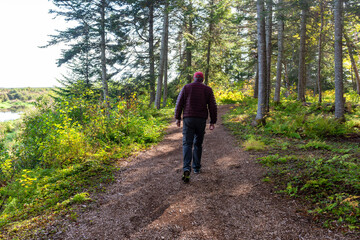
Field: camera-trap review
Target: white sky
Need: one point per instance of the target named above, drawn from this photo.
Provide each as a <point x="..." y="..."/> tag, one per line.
<point x="25" y="25"/>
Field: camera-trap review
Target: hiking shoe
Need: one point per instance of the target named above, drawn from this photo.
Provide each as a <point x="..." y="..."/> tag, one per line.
<point x="186" y="177"/>
<point x="196" y="171"/>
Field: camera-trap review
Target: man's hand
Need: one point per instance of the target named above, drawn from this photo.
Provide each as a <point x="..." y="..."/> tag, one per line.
<point x="178" y="122"/>
<point x="212" y="127"/>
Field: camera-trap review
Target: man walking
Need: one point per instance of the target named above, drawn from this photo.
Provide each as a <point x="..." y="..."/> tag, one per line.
<point x="195" y="101"/>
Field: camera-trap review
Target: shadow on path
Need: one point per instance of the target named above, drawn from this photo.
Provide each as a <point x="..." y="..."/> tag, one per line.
<point x="226" y="201"/>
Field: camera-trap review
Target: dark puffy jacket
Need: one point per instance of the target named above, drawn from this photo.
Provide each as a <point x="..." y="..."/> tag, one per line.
<point x="196" y="100"/>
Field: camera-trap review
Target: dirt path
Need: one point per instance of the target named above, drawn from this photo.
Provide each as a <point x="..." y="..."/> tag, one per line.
<point x="226" y="201"/>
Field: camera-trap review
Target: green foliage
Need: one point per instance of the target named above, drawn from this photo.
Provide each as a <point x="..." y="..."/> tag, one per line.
<point x="66" y="147"/>
<point x="320" y="126"/>
<point x="309" y="155"/>
<point x="253" y="144"/>
<point x="20" y="99"/>
<point x="272" y="160"/>
<point x="235" y="93"/>
<point x="320" y="181"/>
<point x="229" y="96"/>
<point x="317" y="145"/>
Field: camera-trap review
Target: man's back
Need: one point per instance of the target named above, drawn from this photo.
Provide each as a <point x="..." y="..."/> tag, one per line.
<point x="195" y="100"/>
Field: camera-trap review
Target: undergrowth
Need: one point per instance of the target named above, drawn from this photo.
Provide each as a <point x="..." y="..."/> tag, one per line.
<point x="64" y="151"/>
<point x="309" y="155"/>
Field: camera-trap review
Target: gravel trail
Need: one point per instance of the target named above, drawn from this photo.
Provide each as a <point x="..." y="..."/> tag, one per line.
<point x="227" y="200"/>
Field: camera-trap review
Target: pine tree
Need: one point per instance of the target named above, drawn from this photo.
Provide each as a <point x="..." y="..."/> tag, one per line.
<point x="92" y="40"/>
<point x="339" y="85"/>
<point x="280" y="17"/>
<point x="261" y="60"/>
<point x="302" y="51"/>
<point x="163" y="55"/>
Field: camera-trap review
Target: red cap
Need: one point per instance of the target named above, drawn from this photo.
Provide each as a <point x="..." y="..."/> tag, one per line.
<point x="199" y="76"/>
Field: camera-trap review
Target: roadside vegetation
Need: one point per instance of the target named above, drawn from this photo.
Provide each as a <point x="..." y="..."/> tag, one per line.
<point x="308" y="154"/>
<point x="65" y="150"/>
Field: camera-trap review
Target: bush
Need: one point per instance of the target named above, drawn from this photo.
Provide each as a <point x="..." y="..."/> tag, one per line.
<point x="4" y="97"/>
<point x="253" y="144"/>
<point x="15" y="94"/>
<point x="67" y="147"/>
<point x="320" y="126"/>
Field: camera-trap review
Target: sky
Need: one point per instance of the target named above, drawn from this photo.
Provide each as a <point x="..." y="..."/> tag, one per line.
<point x="25" y="25"/>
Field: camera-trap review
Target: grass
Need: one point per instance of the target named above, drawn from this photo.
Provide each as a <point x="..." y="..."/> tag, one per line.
<point x="253" y="144"/>
<point x="309" y="156"/>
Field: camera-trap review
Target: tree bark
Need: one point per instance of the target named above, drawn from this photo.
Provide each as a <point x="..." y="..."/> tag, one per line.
<point x="151" y="52"/>
<point x="261" y="60"/>
<point x="103" y="50"/>
<point x="162" y="58"/>
<point x="209" y="43"/>
<point x="280" y="53"/>
<point x="165" y="79"/>
<point x="189" y="48"/>
<point x="353" y="63"/>
<point x="256" y="84"/>
<point x="339" y="85"/>
<point x="166" y="56"/>
<point x="87" y="57"/>
<point x="319" y="85"/>
<point x="269" y="6"/>
<point x="302" y="67"/>
<point x="287" y="82"/>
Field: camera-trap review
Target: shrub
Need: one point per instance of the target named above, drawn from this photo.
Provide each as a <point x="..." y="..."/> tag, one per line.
<point x="320" y="126"/>
<point x="4" y="97"/>
<point x="67" y="147"/>
<point x="15" y="94"/>
<point x="253" y="144"/>
<point x="317" y="145"/>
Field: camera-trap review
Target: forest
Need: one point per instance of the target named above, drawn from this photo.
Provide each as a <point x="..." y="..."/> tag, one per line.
<point x="289" y="69"/>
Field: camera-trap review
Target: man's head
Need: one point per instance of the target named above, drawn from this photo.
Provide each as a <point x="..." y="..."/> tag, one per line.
<point x="198" y="77"/>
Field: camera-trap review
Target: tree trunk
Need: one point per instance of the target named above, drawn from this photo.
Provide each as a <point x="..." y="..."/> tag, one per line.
<point x="339" y="85"/>
<point x="165" y="78"/>
<point x="162" y="58"/>
<point x="87" y="57"/>
<point x="209" y="43"/>
<point x="261" y="60"/>
<point x="103" y="49"/>
<point x="256" y="84"/>
<point x="353" y="63"/>
<point x="269" y="6"/>
<point x="189" y="49"/>
<point x="151" y="52"/>
<point x="280" y="53"/>
<point x="166" y="55"/>
<point x="302" y="67"/>
<point x="287" y="82"/>
<point x="319" y="85"/>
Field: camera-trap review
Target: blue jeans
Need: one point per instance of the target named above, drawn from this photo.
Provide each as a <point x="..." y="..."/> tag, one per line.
<point x="193" y="136"/>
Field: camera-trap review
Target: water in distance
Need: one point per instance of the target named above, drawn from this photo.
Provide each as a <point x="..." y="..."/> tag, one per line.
<point x="7" y="116"/>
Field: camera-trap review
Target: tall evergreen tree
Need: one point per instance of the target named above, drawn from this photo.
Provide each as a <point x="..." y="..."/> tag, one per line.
<point x="189" y="18"/>
<point x="302" y="51"/>
<point x="280" y="17"/>
<point x="320" y="53"/>
<point x="92" y="40"/>
<point x="261" y="60"/>
<point x="163" y="53"/>
<point x="208" y="53"/>
<point x="269" y="20"/>
<point x="339" y="85"/>
<point x="353" y="62"/>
